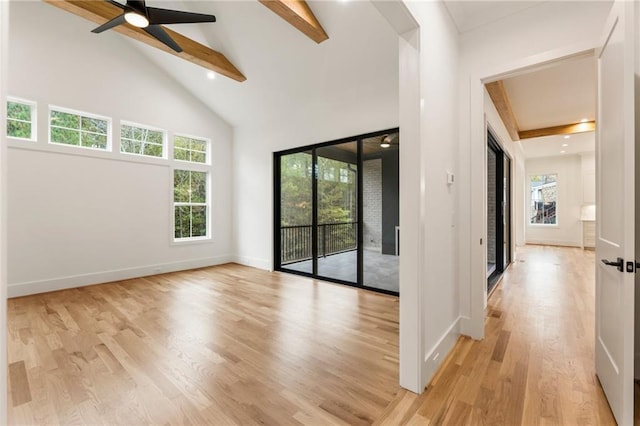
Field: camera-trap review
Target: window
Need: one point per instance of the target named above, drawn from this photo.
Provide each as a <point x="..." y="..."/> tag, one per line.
<point x="140" y="140"/>
<point x="190" y="149"/>
<point x="344" y="175"/>
<point x="190" y="204"/>
<point x="78" y="129"/>
<point x="21" y="119"/>
<point x="544" y="196"/>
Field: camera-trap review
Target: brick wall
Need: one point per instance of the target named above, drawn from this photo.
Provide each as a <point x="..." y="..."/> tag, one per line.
<point x="372" y="204"/>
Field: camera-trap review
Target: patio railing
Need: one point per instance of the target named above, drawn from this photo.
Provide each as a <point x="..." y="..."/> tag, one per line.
<point x="296" y="241"/>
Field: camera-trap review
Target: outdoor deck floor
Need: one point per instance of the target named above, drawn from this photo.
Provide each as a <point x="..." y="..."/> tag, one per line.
<point x="380" y="270"/>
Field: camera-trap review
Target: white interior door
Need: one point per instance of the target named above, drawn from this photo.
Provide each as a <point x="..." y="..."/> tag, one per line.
<point x="615" y="235"/>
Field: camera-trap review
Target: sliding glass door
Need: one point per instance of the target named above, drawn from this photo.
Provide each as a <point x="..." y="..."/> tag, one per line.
<point x="319" y="208"/>
<point x="296" y="212"/>
<point x="498" y="212"/>
<point x="337" y="202"/>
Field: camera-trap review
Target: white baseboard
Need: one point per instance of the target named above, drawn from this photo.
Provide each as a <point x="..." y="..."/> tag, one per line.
<point x="560" y="243"/>
<point x="73" y="281"/>
<point x="436" y="356"/>
<point x="471" y="328"/>
<point x="253" y="262"/>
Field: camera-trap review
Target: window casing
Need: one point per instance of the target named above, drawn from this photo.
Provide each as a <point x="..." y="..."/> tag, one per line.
<point x="21" y="119"/>
<point x="137" y="139"/>
<point x="190" y="205"/>
<point x="544" y="199"/>
<point x="68" y="127"/>
<point x="191" y="149"/>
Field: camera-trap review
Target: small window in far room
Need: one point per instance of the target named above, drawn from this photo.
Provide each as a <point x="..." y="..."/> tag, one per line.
<point x="190" y="149"/>
<point x="544" y="198"/>
<point x="141" y="140"/>
<point x="21" y="119"/>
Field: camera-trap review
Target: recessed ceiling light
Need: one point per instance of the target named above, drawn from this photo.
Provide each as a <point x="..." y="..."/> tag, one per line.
<point x="567" y="137"/>
<point x="565" y="144"/>
<point x="584" y="120"/>
<point x="562" y="152"/>
<point x="211" y="75"/>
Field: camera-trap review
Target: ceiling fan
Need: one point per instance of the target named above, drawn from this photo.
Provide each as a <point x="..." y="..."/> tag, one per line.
<point x="138" y="14"/>
<point x="387" y="140"/>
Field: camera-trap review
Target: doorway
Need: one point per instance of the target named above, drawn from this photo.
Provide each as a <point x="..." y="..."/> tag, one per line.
<point x="498" y="211"/>
<point x="337" y="211"/>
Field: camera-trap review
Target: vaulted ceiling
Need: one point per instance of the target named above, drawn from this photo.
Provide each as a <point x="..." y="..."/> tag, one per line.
<point x="283" y="66"/>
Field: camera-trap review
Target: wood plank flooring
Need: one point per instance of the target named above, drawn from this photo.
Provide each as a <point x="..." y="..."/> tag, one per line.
<point x="536" y="363"/>
<point x="235" y="345"/>
<point x="222" y="345"/>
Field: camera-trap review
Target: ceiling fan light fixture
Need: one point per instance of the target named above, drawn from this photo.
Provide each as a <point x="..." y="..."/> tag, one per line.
<point x="385" y="142"/>
<point x="136" y="19"/>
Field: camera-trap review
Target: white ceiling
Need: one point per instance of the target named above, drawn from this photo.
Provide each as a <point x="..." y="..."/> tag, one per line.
<point x="558" y="95"/>
<point x="551" y="146"/>
<point x="471" y="14"/>
<point x="283" y="67"/>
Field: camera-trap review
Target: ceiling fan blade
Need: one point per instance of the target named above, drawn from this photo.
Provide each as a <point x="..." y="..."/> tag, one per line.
<point x="110" y="24"/>
<point x="115" y="3"/>
<point x="161" y="35"/>
<point x="137" y="5"/>
<point x="165" y="16"/>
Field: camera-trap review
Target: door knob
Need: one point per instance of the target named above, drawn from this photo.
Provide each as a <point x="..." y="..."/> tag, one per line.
<point x="619" y="263"/>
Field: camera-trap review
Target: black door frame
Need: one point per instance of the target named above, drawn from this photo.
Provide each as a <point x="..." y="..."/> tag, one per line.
<point x="500" y="208"/>
<point x="277" y="193"/>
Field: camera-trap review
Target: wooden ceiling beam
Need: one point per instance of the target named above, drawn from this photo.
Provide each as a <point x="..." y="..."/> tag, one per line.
<point x="298" y="14"/>
<point x="199" y="54"/>
<point x="500" y="99"/>
<point x="565" y="129"/>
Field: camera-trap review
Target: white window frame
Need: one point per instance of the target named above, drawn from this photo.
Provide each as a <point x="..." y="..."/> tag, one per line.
<point x="109" y="121"/>
<point x="207" y="154"/>
<point x="34" y="118"/>
<point x="542" y="225"/>
<point x="144" y="126"/>
<point x="206" y="204"/>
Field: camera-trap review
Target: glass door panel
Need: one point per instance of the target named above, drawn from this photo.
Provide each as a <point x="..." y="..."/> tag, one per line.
<point x="492" y="170"/>
<point x="296" y="211"/>
<point x="506" y="213"/>
<point x="380" y="206"/>
<point x="337" y="211"/>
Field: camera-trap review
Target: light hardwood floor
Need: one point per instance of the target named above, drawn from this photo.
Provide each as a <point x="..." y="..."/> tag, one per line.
<point x="232" y="344"/>
<point x="536" y="363"/>
<point x="222" y="345"/>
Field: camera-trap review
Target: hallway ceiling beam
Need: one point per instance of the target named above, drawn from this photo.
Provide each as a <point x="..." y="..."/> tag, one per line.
<point x="299" y="14"/>
<point x="498" y="95"/>
<point x="566" y="129"/>
<point x="194" y="52"/>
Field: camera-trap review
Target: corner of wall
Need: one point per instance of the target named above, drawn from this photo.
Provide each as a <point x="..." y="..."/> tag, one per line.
<point x="4" y="46"/>
<point x="437" y="355"/>
<point x="252" y="262"/>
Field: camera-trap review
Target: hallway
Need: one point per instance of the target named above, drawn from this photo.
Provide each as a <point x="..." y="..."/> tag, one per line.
<point x="536" y="363"/>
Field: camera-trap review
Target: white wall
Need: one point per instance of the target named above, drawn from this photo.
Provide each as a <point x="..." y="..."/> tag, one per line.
<point x="4" y="45"/>
<point x="439" y="64"/>
<point x="568" y="231"/>
<point x="369" y="106"/>
<point x="78" y="216"/>
<point x="588" y="165"/>
<point x="540" y="34"/>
